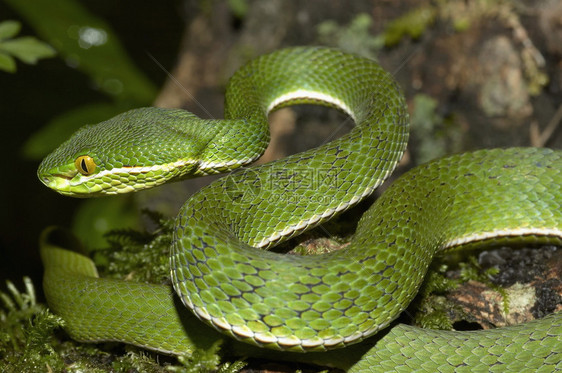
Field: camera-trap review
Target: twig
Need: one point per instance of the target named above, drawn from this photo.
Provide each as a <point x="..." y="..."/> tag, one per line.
<point x="539" y="139"/>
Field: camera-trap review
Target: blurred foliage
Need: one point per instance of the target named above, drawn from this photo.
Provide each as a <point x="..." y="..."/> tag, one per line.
<point x="88" y="44"/>
<point x="461" y="15"/>
<point x="238" y="7"/>
<point x="97" y="216"/>
<point x="354" y="38"/>
<point x="433" y="134"/>
<point x="141" y="255"/>
<point x="25" y="48"/>
<point x="413" y="24"/>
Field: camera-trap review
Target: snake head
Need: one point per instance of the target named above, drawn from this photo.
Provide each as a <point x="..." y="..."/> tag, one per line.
<point x="124" y="154"/>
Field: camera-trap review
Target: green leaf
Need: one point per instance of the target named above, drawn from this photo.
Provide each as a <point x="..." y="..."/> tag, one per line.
<point x="88" y="44"/>
<point x="27" y="48"/>
<point x="7" y="63"/>
<point x="9" y="29"/>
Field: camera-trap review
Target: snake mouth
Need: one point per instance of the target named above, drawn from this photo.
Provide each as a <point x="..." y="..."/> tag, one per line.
<point x="59" y="182"/>
<point x="55" y="179"/>
<point x="51" y="177"/>
<point x="61" y="176"/>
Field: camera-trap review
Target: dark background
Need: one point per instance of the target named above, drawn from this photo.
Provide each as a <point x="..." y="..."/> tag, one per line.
<point x="37" y="93"/>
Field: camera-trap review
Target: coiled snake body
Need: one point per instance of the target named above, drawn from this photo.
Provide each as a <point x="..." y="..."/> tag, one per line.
<point x="313" y="303"/>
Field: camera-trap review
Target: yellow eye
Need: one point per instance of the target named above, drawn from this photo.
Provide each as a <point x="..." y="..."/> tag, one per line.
<point x="85" y="165"/>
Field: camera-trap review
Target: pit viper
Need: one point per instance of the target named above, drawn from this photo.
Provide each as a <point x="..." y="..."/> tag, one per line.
<point x="321" y="304"/>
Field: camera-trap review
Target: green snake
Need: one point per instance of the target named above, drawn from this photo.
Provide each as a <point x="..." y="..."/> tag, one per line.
<point x="311" y="303"/>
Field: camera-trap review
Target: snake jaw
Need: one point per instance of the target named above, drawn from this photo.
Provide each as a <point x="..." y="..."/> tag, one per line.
<point x="68" y="181"/>
<point x="63" y="184"/>
<point x="55" y="182"/>
<point x="58" y="179"/>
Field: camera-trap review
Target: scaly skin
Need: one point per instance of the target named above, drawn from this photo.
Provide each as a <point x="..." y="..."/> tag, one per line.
<point x="316" y="303"/>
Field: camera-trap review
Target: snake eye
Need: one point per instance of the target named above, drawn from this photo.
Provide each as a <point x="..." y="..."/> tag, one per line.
<point x="85" y="165"/>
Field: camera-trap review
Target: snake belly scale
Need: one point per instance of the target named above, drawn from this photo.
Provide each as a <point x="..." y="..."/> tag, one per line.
<point x="218" y="266"/>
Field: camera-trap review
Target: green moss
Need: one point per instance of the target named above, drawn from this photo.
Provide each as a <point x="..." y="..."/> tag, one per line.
<point x="472" y="271"/>
<point x="412" y="24"/>
<point x="239" y="7"/>
<point x="140" y="256"/>
<point x="143" y="256"/>
<point x="28" y="342"/>
<point x="26" y="332"/>
<point x="354" y="37"/>
<point x="206" y="361"/>
<point x="432" y="308"/>
<point x="433" y="134"/>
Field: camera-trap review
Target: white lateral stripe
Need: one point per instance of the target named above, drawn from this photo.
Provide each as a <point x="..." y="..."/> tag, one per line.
<point x="314" y="95"/>
<point x="141" y="169"/>
<point x="215" y="165"/>
<point x="221" y="323"/>
<point x="204" y="166"/>
<point x="242" y="331"/>
<point x="202" y="312"/>
<point x="552" y="232"/>
<point x="266" y="338"/>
